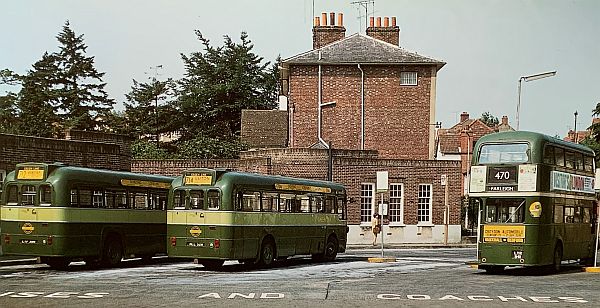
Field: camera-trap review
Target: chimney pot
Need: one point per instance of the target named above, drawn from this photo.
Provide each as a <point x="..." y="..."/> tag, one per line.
<point x="378" y="22"/>
<point x="394" y="21"/>
<point x="323" y="19"/>
<point x="332" y="19"/>
<point x="371" y="21"/>
<point x="317" y="21"/>
<point x="464" y="116"/>
<point x="386" y="22"/>
<point x="340" y="19"/>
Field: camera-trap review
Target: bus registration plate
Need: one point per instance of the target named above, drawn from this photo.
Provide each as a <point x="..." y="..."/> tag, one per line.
<point x="25" y="241"/>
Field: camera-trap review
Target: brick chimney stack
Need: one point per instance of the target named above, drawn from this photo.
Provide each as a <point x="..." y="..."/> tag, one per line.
<point x="387" y="33"/>
<point x="324" y="34"/>
<point x="464" y="116"/>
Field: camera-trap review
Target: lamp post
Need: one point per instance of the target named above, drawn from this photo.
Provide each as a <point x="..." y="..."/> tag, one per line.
<point x="575" y="129"/>
<point x="527" y="79"/>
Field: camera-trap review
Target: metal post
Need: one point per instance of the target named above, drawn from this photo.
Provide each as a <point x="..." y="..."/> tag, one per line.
<point x="381" y="222"/>
<point x="597" y="233"/>
<point x="446" y="213"/>
<point x="478" y="227"/>
<point x="575" y="129"/>
<point x="519" y="102"/>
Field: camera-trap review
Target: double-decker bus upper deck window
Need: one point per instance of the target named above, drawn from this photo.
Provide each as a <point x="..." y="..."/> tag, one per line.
<point x="45" y="195"/>
<point x="505" y="210"/>
<point x="578" y="162"/>
<point x="588" y="163"/>
<point x="549" y="155"/>
<point x="197" y="199"/>
<point x="214" y="199"/>
<point x="28" y="195"/>
<point x="559" y="157"/>
<point x="504" y="153"/>
<point x="13" y="195"/>
<point x="570" y="160"/>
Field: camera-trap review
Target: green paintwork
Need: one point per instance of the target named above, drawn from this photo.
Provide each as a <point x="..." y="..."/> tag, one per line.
<point x="542" y="235"/>
<point x="80" y="232"/>
<point x="240" y="234"/>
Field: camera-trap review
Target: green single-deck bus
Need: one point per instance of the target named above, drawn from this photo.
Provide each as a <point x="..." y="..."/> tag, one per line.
<point x="218" y="215"/>
<point x="537" y="200"/>
<point x="62" y="213"/>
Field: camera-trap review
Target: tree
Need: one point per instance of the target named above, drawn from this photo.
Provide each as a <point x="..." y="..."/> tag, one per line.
<point x="489" y="119"/>
<point x="37" y="99"/>
<point x="82" y="102"/>
<point x="148" y="108"/>
<point x="593" y="141"/>
<point x="8" y="103"/>
<point x="220" y="82"/>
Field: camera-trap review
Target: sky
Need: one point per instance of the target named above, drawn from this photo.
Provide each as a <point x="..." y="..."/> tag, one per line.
<point x="487" y="45"/>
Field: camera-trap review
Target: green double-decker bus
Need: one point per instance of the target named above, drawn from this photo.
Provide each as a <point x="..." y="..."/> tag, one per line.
<point x="217" y="215"/>
<point x="62" y="213"/>
<point x="537" y="200"/>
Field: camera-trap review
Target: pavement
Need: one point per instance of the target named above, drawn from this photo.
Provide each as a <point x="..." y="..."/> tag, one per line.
<point x="24" y="260"/>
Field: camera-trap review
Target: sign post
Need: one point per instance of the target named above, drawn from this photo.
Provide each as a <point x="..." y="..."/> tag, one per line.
<point x="382" y="187"/>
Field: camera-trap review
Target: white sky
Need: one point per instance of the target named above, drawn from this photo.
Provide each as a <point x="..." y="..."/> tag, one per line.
<point x="487" y="45"/>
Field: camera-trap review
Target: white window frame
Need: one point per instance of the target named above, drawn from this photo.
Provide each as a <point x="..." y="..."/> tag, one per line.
<point x="409" y="78"/>
<point x="429" y="200"/>
<point x="396" y="199"/>
<point x="366" y="211"/>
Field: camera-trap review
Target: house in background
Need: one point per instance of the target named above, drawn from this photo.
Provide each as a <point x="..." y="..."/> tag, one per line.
<point x="457" y="142"/>
<point x="579" y="136"/>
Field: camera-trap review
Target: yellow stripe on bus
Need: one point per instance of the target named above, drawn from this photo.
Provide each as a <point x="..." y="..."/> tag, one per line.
<point x="145" y="184"/>
<point x="299" y="187"/>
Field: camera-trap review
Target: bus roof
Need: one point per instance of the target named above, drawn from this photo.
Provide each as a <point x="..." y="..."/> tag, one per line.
<point x="534" y="138"/>
<point x="247" y="178"/>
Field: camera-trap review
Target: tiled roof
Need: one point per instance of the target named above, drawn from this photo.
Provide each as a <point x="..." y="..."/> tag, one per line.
<point x="359" y="48"/>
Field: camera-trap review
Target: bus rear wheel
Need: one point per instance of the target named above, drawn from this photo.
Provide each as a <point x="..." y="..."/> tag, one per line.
<point x="267" y="253"/>
<point x="112" y="254"/>
<point x="330" y="251"/>
<point x="59" y="263"/>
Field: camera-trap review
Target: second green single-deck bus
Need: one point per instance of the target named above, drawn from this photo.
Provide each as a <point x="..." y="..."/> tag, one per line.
<point x="218" y="215"/>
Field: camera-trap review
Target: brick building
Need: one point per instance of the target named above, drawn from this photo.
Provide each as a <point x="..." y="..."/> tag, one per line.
<point x="361" y="92"/>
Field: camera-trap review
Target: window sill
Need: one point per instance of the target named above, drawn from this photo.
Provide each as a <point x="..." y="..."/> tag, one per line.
<point x="396" y="225"/>
<point x="425" y="224"/>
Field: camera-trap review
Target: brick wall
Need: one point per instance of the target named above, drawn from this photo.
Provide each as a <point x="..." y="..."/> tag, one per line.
<point x="397" y="117"/>
<point x="16" y="149"/>
<point x="387" y="34"/>
<point x="265" y="128"/>
<point x="350" y="168"/>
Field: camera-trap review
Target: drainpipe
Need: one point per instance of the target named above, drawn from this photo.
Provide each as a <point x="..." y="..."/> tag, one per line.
<point x="320" y="103"/>
<point x="362" y="108"/>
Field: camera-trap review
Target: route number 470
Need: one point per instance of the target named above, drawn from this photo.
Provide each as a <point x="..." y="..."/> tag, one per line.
<point x="502" y="175"/>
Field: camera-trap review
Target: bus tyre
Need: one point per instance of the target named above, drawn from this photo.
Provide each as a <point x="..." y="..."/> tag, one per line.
<point x="212" y="264"/>
<point x="58" y="263"/>
<point x="112" y="252"/>
<point x="558" y="253"/>
<point x="330" y="251"/>
<point x="267" y="253"/>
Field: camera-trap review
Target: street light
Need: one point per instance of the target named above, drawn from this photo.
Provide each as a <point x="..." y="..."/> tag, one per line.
<point x="527" y="79"/>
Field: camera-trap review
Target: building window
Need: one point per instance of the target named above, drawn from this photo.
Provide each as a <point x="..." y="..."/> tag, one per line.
<point x="396" y="207"/>
<point x="424" y="204"/>
<point x="408" y="78"/>
<point x="366" y="201"/>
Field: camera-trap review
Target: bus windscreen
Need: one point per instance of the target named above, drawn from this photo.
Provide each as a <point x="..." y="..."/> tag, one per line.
<point x="504" y="153"/>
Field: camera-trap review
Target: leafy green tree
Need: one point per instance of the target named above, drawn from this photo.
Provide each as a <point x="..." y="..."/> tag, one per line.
<point x="207" y="148"/>
<point x="219" y="82"/>
<point x="148" y="109"/>
<point x="489" y="119"/>
<point x="37" y="99"/>
<point x="82" y="101"/>
<point x="593" y="141"/>
<point x="8" y="103"/>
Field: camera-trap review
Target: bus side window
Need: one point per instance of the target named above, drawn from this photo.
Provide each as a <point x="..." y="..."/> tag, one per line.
<point x="329" y="209"/>
<point x="197" y="199"/>
<point x="179" y="199"/>
<point x="98" y="199"/>
<point x="214" y="200"/>
<point x="569" y="214"/>
<point x="13" y="195"/>
<point x="588" y="163"/>
<point x="570" y="159"/>
<point x="558" y="213"/>
<point x="559" y="157"/>
<point x="269" y="201"/>
<point x="491" y="213"/>
<point x="74" y="198"/>
<point x="578" y="162"/>
<point x="549" y="155"/>
<point x="85" y="198"/>
<point x="45" y="195"/>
